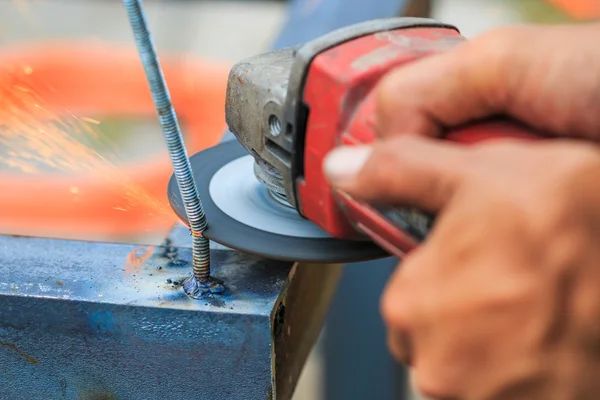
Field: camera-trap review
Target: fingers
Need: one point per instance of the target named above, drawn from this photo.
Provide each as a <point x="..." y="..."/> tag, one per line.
<point x="446" y="89"/>
<point x="407" y="170"/>
<point x="409" y="310"/>
<point x="400" y="346"/>
<point x="539" y="75"/>
<point x="398" y="312"/>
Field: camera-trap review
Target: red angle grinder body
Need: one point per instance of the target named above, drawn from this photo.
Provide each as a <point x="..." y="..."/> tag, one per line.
<point x="288" y="109"/>
<point x="338" y="92"/>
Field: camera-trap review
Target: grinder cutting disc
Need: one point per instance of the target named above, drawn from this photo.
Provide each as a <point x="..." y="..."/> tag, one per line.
<point x="243" y="215"/>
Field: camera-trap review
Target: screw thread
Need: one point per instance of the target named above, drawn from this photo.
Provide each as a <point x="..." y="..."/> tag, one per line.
<point x="174" y="139"/>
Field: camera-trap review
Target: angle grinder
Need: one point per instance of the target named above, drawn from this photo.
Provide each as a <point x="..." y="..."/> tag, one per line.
<point x="266" y="193"/>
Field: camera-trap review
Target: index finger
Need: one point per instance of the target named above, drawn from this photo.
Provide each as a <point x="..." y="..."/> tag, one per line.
<point x="444" y="89"/>
<point x="407" y="170"/>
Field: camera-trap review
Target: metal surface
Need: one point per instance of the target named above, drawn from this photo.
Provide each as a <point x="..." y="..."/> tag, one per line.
<point x="256" y="90"/>
<point x="103" y="321"/>
<point x="269" y="177"/>
<point x="226" y="230"/>
<point x="267" y="90"/>
<point x="200" y="283"/>
<point x="237" y="192"/>
<point x="301" y="314"/>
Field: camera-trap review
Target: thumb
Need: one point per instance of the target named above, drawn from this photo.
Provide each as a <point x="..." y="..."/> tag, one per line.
<point x="406" y="170"/>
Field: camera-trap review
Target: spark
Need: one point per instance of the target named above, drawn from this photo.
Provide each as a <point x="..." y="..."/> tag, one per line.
<point x="137" y="257"/>
<point x="37" y="137"/>
<point x="90" y="120"/>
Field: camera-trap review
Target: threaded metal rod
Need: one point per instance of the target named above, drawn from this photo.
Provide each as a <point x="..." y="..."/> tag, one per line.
<point x="174" y="139"/>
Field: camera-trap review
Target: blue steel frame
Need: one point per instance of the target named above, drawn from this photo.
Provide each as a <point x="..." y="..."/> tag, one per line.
<point x="100" y="321"/>
<point x="78" y="321"/>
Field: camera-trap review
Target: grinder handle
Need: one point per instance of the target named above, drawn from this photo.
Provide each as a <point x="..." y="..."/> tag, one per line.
<point x="399" y="230"/>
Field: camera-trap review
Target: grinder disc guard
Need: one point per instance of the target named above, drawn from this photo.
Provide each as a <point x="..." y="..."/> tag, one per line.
<point x="242" y="214"/>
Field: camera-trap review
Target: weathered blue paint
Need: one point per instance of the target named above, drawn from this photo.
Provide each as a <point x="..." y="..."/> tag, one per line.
<point x="76" y="322"/>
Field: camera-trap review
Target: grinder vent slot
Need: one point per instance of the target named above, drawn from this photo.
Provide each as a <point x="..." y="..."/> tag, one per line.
<point x="277" y="151"/>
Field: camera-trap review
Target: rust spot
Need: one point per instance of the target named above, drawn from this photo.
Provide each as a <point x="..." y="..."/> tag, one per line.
<point x="198" y="234"/>
<point x="138" y="257"/>
<point x="26" y="357"/>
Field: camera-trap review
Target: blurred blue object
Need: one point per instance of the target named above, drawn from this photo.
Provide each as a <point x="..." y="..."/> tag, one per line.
<point x="309" y="19"/>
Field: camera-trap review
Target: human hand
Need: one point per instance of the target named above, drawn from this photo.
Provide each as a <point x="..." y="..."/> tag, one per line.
<point x="545" y="76"/>
<point x="502" y="300"/>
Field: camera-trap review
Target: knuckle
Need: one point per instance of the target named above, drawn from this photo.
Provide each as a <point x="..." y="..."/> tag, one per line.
<point x="496" y="50"/>
<point x="387" y="88"/>
<point x="375" y="179"/>
<point x="397" y="303"/>
<point x="564" y="191"/>
<point x="556" y="218"/>
<point x="397" y="149"/>
<point x="393" y="307"/>
<point x="499" y="40"/>
<point x="491" y="48"/>
<point x="388" y="307"/>
<point x="400" y="347"/>
<point x="433" y="386"/>
<point x="387" y="152"/>
<point x="561" y="224"/>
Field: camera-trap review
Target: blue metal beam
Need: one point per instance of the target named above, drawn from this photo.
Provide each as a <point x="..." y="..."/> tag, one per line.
<point x="94" y="321"/>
